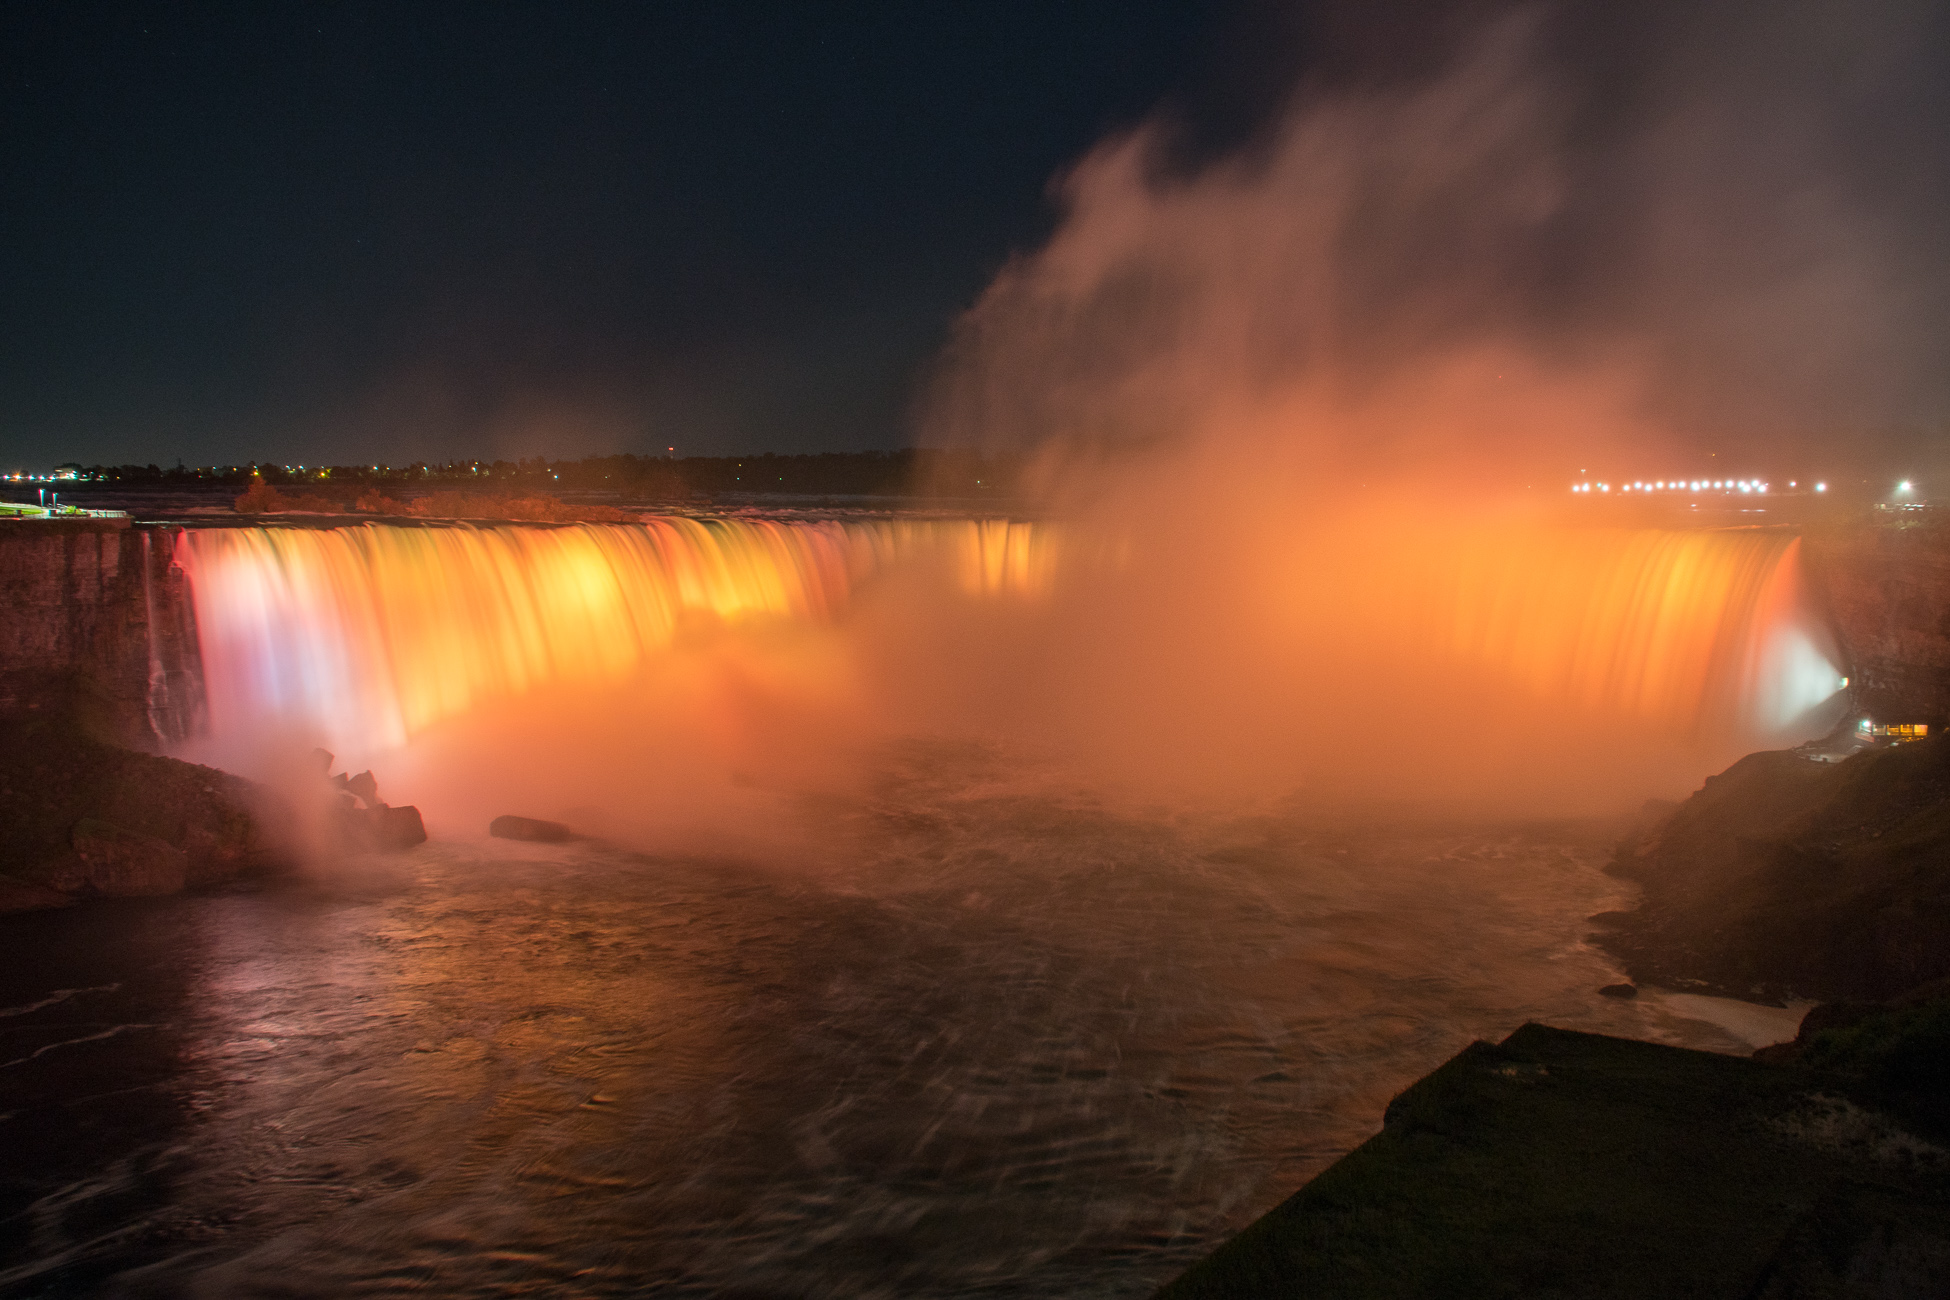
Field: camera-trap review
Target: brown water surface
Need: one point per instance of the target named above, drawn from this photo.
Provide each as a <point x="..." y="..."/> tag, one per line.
<point x="990" y="1039"/>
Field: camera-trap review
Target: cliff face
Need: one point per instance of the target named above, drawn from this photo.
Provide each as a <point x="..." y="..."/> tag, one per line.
<point x="98" y="623"/>
<point x="1784" y="877"/>
<point x="85" y="819"/>
<point x="1888" y="590"/>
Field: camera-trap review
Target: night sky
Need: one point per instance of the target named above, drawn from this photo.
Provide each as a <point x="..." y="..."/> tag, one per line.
<point x="340" y="233"/>
<point x="356" y="232"/>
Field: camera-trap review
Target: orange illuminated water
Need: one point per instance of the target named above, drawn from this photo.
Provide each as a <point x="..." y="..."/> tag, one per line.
<point x="374" y="634"/>
<point x="378" y="632"/>
<point x="1685" y="629"/>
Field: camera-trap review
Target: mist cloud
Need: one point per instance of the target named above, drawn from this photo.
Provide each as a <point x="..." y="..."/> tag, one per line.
<point x="1700" y="215"/>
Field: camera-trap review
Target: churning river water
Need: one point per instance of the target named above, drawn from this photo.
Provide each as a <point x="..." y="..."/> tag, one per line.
<point x="994" y="1039"/>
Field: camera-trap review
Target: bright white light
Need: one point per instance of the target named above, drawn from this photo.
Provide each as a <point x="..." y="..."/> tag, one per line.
<point x="1821" y="487"/>
<point x="1903" y="486"/>
<point x="1795" y="676"/>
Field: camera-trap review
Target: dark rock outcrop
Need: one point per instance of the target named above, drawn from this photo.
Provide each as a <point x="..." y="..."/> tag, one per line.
<point x="364" y="823"/>
<point x="28" y="896"/>
<point x="384" y="828"/>
<point x="529" y="828"/>
<point x="1787" y="877"/>
<point x="1566" y="1164"/>
<point x="115" y="863"/>
<point x="84" y="818"/>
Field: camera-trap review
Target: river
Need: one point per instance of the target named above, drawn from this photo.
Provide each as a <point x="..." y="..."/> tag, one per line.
<point x="992" y="1037"/>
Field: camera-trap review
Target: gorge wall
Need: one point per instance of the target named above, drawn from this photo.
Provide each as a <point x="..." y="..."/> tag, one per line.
<point x="99" y="623"/>
<point x="1887" y="588"/>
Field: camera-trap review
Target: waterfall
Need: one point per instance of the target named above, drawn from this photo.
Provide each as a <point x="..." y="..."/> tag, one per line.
<point x="376" y="632"/>
<point x="1690" y="629"/>
<point x="1545" y="640"/>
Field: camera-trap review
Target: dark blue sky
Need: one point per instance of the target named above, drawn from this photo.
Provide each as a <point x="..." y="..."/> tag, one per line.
<point x="351" y="232"/>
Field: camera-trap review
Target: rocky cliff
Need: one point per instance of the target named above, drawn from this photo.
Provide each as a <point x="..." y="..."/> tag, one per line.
<point x="1783" y="877"/>
<point x="1887" y="588"/>
<point x="98" y="624"/>
<point x="80" y="818"/>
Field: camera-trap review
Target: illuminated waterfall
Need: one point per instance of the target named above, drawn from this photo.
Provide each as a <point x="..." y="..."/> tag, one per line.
<point x="1686" y="629"/>
<point x="376" y="632"/>
<point x="371" y="634"/>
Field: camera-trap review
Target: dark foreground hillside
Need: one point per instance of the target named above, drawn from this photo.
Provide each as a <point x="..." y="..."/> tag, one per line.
<point x="1567" y="1164"/>
<point x="1784" y="877"/>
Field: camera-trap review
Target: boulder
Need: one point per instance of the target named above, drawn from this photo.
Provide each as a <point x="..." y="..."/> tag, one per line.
<point x="529" y="828"/>
<point x="398" y="828"/>
<point x="382" y="829"/>
<point x="118" y="863"/>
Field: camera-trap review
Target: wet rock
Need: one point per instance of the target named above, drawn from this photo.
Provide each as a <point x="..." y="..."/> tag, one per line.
<point x="117" y="863"/>
<point x="30" y="896"/>
<point x="364" y="787"/>
<point x="90" y="818"/>
<point x="382" y="829"/>
<point x="529" y="828"/>
<point x="398" y="828"/>
<point x="1619" y="991"/>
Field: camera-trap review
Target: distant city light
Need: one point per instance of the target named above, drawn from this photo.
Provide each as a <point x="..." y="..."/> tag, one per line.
<point x="1903" y="486"/>
<point x="1821" y="487"/>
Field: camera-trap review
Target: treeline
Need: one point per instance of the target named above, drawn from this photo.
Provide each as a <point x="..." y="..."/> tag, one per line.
<point x="909" y="472"/>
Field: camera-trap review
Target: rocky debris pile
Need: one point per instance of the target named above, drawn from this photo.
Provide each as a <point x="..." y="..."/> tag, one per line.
<point x="361" y="821"/>
<point x="529" y="828"/>
<point x="88" y="819"/>
<point x="1783" y="877"/>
